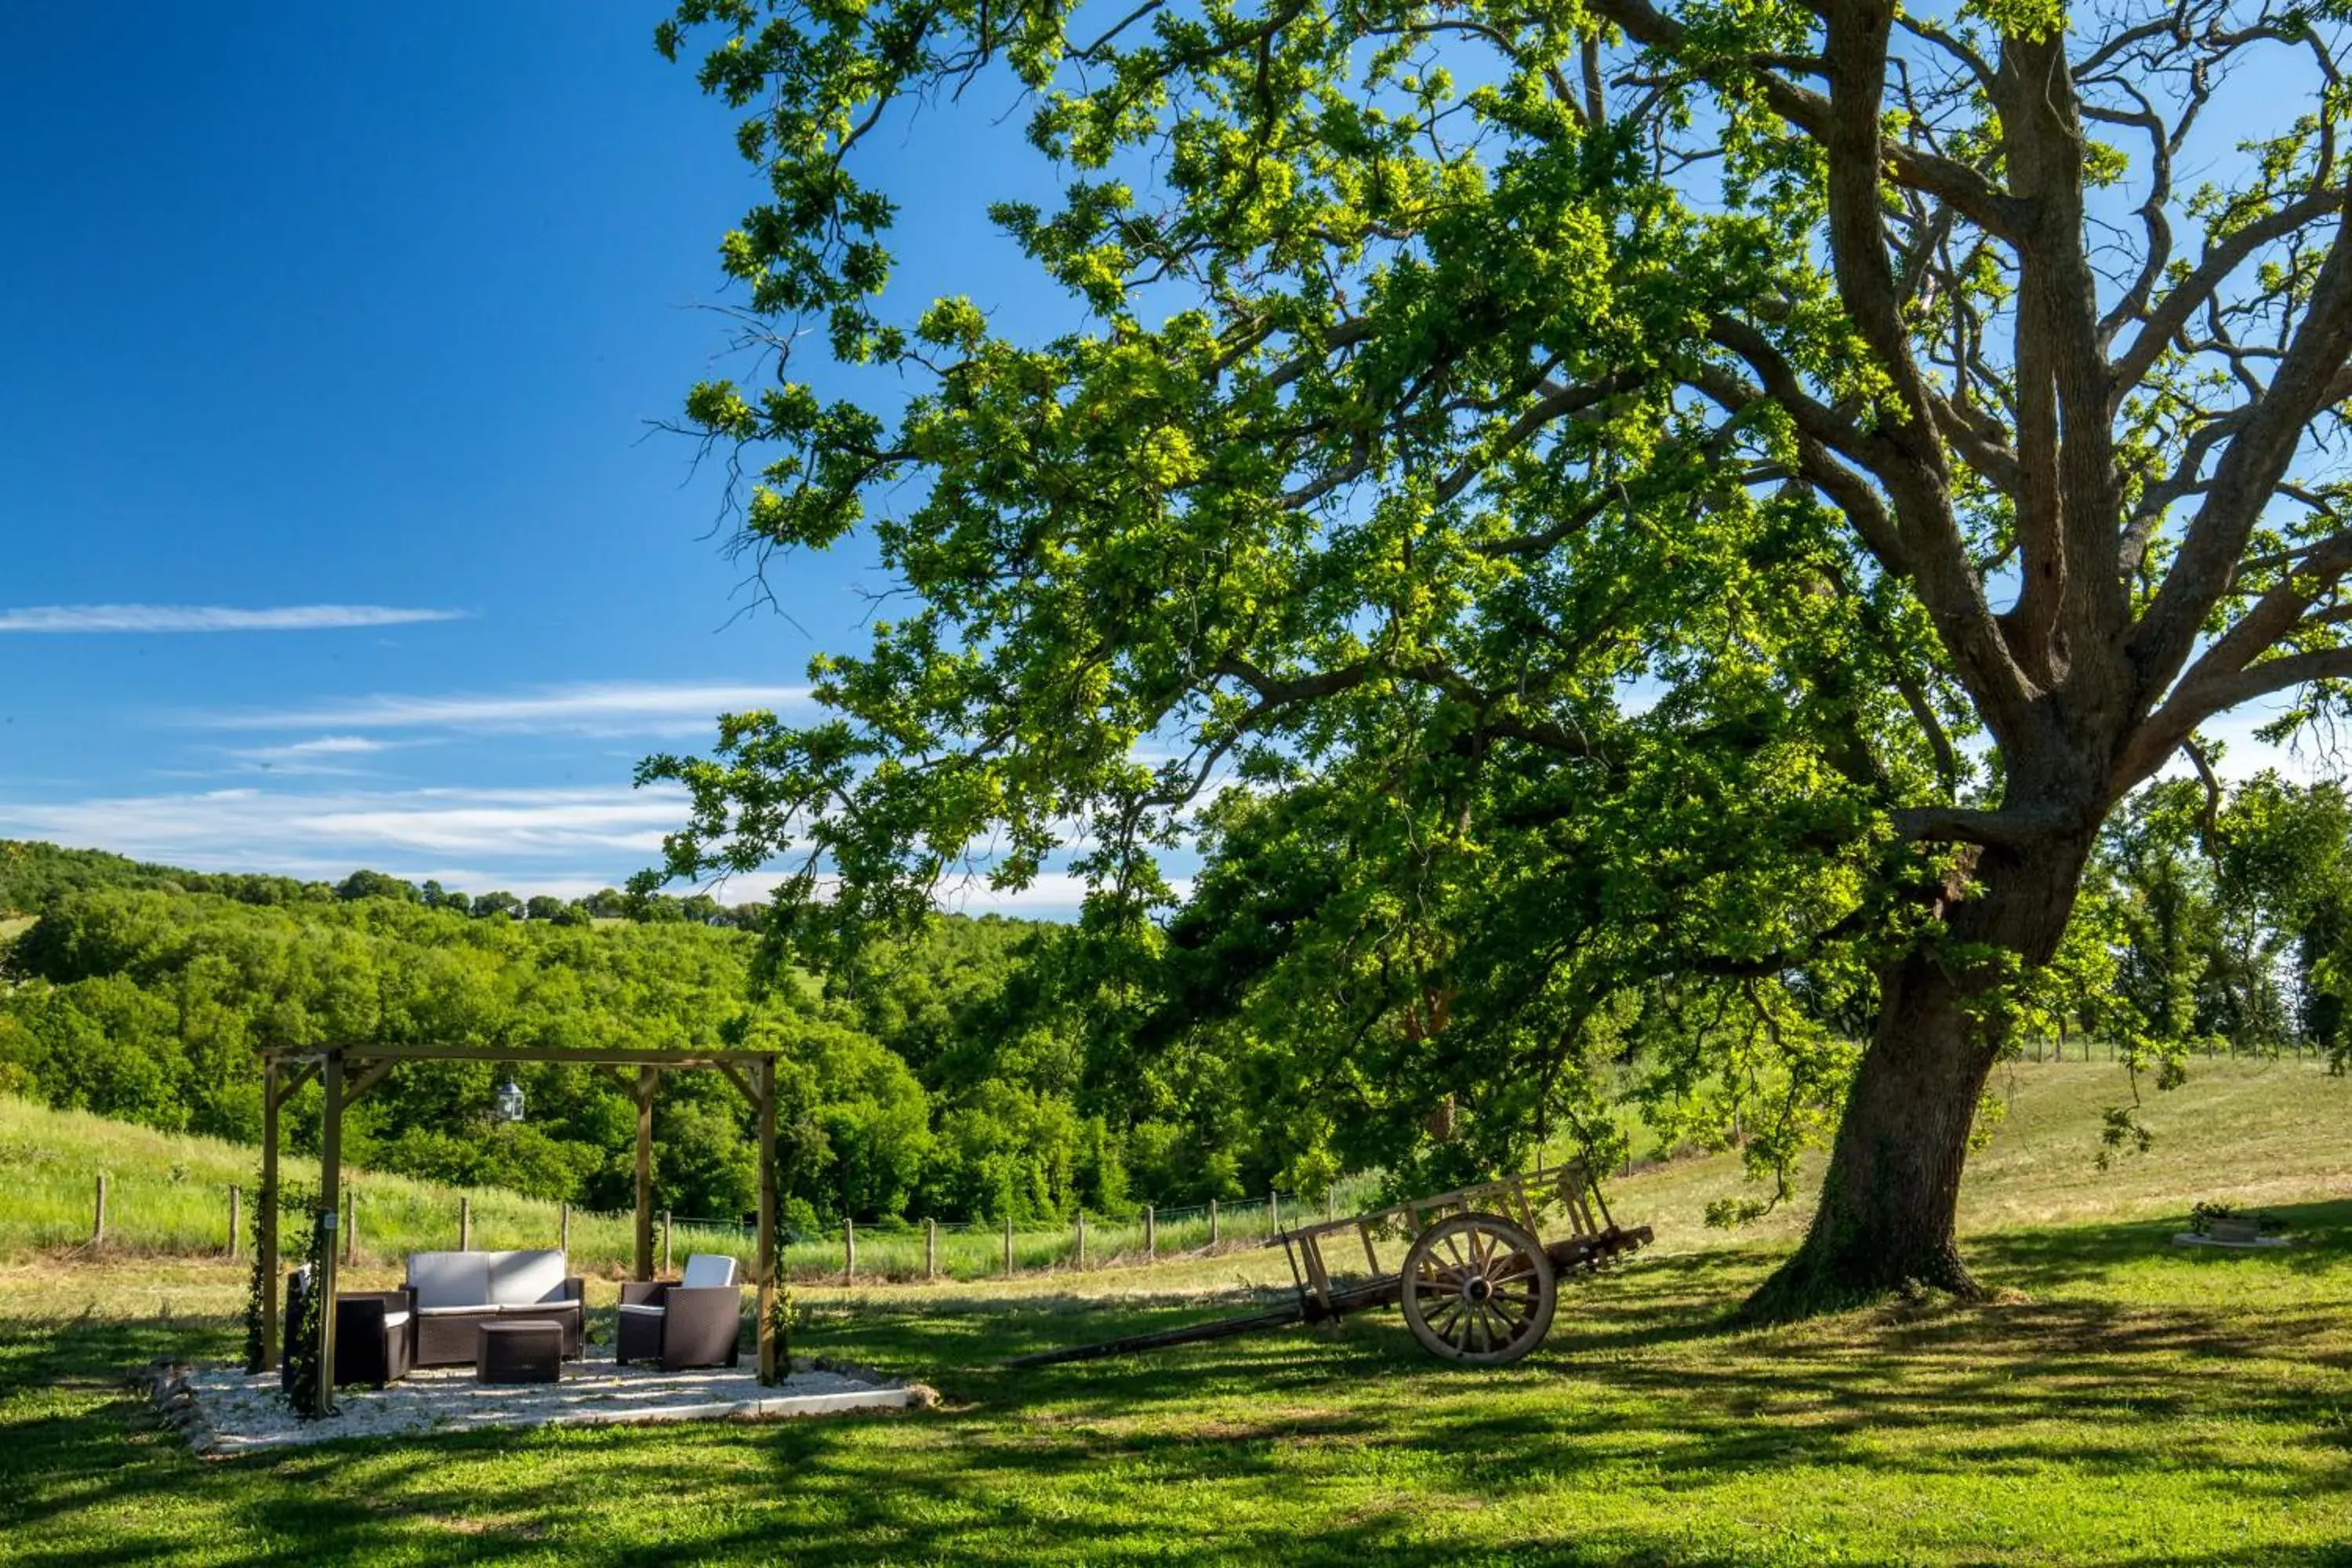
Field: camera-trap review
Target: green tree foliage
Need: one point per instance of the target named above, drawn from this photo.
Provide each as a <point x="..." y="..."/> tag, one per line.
<point x="379" y="885"/>
<point x="33" y="875"/>
<point x="2230" y="915"/>
<point x="1599" y="505"/>
<point x="922" y="1084"/>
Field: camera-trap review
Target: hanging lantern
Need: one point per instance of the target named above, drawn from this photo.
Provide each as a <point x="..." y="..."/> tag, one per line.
<point x="510" y="1107"/>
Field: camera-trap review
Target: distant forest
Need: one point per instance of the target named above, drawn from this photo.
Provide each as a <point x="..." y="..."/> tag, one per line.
<point x="913" y="1090"/>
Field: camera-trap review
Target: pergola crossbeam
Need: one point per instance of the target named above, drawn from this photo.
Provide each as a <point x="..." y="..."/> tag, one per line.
<point x="592" y="1055"/>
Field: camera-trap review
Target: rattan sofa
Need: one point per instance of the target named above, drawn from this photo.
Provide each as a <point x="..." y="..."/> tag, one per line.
<point x="456" y="1292"/>
<point x="695" y="1321"/>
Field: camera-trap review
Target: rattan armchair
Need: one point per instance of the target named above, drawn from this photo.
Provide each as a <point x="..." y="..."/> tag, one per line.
<point x="375" y="1336"/>
<point x="696" y="1322"/>
<point x="375" y="1333"/>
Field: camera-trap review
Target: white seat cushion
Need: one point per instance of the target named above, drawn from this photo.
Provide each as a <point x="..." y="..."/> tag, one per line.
<point x="708" y="1268"/>
<point x="394" y="1320"/>
<point x="450" y="1278"/>
<point x="474" y="1311"/>
<point x="539" y="1309"/>
<point x="650" y="1309"/>
<point x="519" y="1278"/>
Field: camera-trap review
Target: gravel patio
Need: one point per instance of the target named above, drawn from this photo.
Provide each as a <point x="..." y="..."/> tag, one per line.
<point x="225" y="1411"/>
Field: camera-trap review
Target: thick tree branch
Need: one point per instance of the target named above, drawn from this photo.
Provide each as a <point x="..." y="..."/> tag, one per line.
<point x="2173" y="312"/>
<point x="1983" y="203"/>
<point x="2249" y="474"/>
<point x="2070" y="603"/>
<point x="2005" y="828"/>
<point x="2164" y="731"/>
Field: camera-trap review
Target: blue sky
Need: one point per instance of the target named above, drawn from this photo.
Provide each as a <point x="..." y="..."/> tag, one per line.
<point x="335" y="531"/>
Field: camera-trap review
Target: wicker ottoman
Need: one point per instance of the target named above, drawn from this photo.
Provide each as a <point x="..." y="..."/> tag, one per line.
<point x="520" y="1352"/>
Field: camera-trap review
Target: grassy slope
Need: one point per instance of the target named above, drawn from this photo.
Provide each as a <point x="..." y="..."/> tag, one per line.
<point x="2253" y="1133"/>
<point x="2127" y="1403"/>
<point x="169" y="1192"/>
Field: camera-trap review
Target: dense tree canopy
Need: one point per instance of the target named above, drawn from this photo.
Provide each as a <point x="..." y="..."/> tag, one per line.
<point x="923" y="1084"/>
<point x="1609" y="511"/>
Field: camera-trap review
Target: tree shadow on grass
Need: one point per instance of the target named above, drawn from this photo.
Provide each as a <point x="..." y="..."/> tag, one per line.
<point x="1935" y="1390"/>
<point x="74" y="1437"/>
<point x="2321" y="1240"/>
<point x="1302" y="1446"/>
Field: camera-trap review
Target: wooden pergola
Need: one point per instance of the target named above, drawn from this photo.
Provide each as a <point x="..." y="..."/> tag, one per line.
<point x="348" y="1073"/>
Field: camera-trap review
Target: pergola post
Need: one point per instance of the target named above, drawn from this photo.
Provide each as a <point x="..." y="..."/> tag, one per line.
<point x="266" y="1222"/>
<point x="646" y="1077"/>
<point x="330" y="1170"/>
<point x="769" y="1371"/>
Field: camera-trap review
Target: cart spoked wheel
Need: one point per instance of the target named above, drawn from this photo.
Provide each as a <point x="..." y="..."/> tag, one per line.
<point x="1478" y="1290"/>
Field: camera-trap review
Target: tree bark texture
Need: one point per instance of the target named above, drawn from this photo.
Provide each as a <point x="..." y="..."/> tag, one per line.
<point x="1887" y="1218"/>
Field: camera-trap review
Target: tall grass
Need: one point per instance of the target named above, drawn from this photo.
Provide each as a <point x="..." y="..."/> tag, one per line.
<point x="170" y="1194"/>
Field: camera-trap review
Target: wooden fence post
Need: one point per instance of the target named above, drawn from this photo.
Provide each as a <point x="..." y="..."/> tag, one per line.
<point x="97" y="1218"/>
<point x="563" y="1229"/>
<point x="1213" y="1222"/>
<point x="235" y="1200"/>
<point x="849" y="1251"/>
<point x="1150" y="1233"/>
<point x="665" y="1268"/>
<point x="930" y="1249"/>
<point x="1008" y="1246"/>
<point x="350" y="1221"/>
<point x="1331" y="1194"/>
<point x="1273" y="1212"/>
<point x="464" y="1224"/>
<point x="1082" y="1239"/>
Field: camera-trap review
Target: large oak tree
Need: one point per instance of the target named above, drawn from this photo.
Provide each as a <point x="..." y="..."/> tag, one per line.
<point x="1733" y="492"/>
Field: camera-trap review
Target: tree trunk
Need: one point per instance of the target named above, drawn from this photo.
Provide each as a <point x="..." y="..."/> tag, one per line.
<point x="1890" y="1198"/>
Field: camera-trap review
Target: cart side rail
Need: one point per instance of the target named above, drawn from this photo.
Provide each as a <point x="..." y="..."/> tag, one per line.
<point x="1525" y="1198"/>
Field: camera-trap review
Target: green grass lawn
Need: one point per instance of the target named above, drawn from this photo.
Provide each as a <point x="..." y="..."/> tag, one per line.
<point x="2122" y="1402"/>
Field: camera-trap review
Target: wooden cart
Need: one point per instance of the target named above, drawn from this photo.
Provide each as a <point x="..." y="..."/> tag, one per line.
<point x="1479" y="1284"/>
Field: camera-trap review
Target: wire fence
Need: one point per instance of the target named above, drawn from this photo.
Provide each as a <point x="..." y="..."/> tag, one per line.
<point x="381" y="1224"/>
<point x="47" y="1205"/>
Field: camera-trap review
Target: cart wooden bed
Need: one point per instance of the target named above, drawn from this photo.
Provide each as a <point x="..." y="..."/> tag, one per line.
<point x="1479" y="1284"/>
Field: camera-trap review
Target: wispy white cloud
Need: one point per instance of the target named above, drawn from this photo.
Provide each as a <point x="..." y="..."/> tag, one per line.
<point x="611" y="708"/>
<point x="77" y="618"/>
<point x="330" y="746"/>
<point x="328" y="754"/>
<point x="258" y="829"/>
<point x="563" y="842"/>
